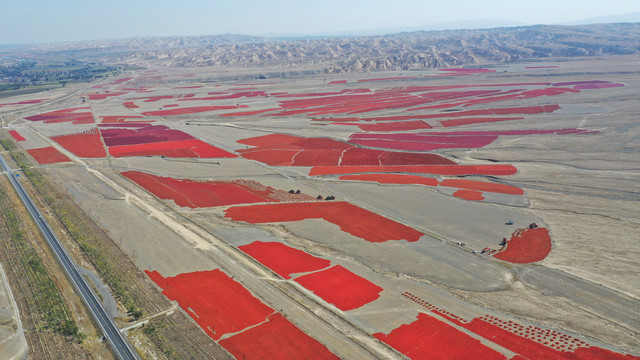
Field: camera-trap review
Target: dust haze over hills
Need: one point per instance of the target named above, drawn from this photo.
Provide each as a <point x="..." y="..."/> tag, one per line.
<point x="630" y="17"/>
<point x="395" y="52"/>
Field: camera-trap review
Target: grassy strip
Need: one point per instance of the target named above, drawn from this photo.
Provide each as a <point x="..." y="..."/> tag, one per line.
<point x="155" y="334"/>
<point x="75" y="226"/>
<point x="173" y="336"/>
<point x="48" y="296"/>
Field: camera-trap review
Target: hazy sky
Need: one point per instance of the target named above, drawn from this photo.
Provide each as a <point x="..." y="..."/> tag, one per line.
<point x="42" y="21"/>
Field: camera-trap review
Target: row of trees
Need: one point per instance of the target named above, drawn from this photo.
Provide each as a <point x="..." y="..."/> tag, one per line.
<point x="29" y="73"/>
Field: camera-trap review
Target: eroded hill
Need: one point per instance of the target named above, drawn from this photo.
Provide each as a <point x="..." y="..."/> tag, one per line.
<point x="407" y="51"/>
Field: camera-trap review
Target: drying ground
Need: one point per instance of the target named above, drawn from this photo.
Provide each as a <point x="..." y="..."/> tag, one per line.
<point x="479" y="213"/>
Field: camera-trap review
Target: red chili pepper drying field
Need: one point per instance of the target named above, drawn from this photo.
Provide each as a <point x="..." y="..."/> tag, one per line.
<point x="350" y="218"/>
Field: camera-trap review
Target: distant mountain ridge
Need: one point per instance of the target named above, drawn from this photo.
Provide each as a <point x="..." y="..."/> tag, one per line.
<point x="395" y="52"/>
<point x="410" y="50"/>
<point x="144" y="44"/>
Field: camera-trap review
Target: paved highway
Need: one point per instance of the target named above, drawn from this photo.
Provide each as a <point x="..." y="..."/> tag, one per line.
<point x="113" y="335"/>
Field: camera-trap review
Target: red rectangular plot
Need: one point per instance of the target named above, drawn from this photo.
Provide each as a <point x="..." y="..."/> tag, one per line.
<point x="350" y="218"/>
<point x="597" y="86"/>
<point x="495" y="111"/>
<point x="282" y="259"/>
<point x="527" y="348"/>
<point x="321" y="144"/>
<point x="130" y="105"/>
<point x="409" y="158"/>
<point x="418" y="169"/>
<point x="156" y="98"/>
<point x="430" y="338"/>
<point x="425" y="145"/>
<point x="470" y="195"/>
<point x="219" y="304"/>
<point x="124" y="126"/>
<point x="341" y="287"/>
<point x="277" y="338"/>
<point x="395" y="126"/>
<point x="475" y="120"/>
<point x="548" y="344"/>
<point x="64" y="115"/>
<point x="122" y="80"/>
<point x="359" y="156"/>
<point x="194" y="194"/>
<point x="482" y="186"/>
<point x="16" y="135"/>
<point x="287" y="150"/>
<point x="269" y="140"/>
<point x="456" y="169"/>
<point x="182" y="148"/>
<point x="189" y="110"/>
<point x="142" y="135"/>
<point x="26" y="102"/>
<point x="87" y="145"/>
<point x="105" y="95"/>
<point x="338" y="170"/>
<point x="120" y="119"/>
<point x="317" y="157"/>
<point x="272" y="157"/>
<point x="47" y="155"/>
<point x="80" y="119"/>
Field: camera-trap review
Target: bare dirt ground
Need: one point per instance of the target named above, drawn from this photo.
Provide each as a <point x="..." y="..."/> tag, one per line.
<point x="583" y="188"/>
<point x="13" y="345"/>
